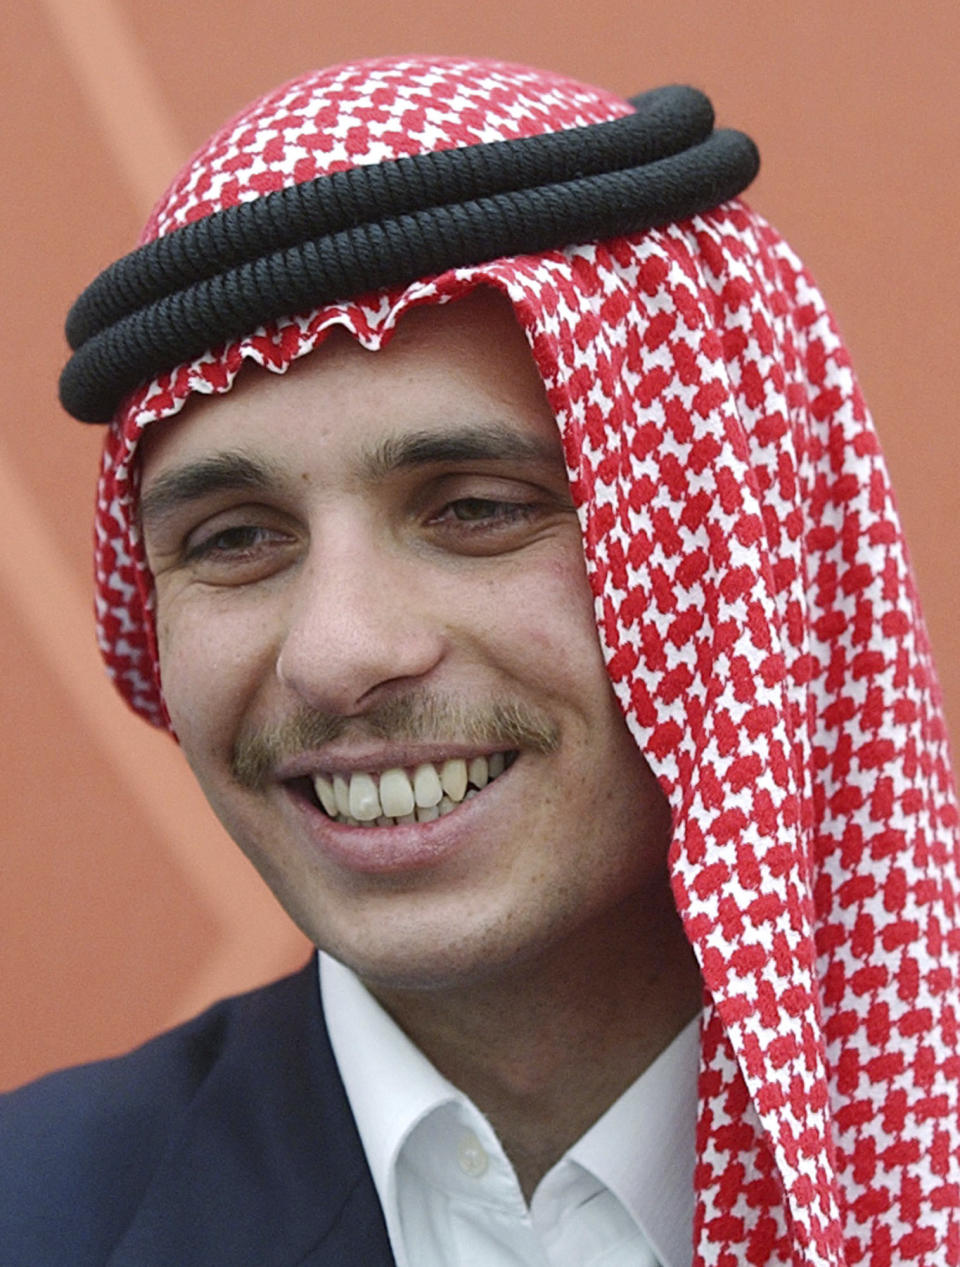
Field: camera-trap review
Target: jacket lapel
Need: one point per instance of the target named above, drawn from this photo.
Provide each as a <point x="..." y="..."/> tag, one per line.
<point x="265" y="1166"/>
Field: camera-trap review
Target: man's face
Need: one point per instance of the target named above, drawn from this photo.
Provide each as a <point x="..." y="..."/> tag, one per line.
<point x="371" y="564"/>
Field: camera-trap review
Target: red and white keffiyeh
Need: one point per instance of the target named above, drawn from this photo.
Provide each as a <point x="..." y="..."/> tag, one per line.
<point x="759" y="621"/>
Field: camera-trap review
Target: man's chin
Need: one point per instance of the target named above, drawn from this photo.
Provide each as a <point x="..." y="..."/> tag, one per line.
<point x="432" y="965"/>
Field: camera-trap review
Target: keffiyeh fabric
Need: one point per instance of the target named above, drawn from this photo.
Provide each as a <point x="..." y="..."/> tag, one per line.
<point x="758" y="618"/>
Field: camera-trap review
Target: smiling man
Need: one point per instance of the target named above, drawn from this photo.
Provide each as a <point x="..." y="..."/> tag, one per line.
<point x="437" y="783"/>
<point x="531" y="608"/>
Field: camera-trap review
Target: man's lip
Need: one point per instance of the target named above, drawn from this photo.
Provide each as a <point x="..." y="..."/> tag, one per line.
<point x="376" y="759"/>
<point x="405" y="848"/>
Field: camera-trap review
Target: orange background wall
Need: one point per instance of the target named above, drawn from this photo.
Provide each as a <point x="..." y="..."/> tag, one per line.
<point x="123" y="908"/>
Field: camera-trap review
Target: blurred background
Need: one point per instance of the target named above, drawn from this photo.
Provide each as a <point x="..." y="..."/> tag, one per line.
<point x="123" y="907"/>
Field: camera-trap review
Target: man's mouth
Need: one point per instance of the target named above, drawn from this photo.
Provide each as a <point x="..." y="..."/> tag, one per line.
<point x="392" y="797"/>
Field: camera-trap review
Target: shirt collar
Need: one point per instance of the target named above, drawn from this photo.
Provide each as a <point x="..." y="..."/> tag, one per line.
<point x="642" y="1148"/>
<point x="390" y="1083"/>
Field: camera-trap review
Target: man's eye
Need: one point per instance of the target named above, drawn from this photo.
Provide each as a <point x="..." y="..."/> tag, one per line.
<point x="238" y="544"/>
<point x="480" y="510"/>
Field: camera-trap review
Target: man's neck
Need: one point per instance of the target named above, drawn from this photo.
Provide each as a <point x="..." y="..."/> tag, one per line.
<point x="545" y="1047"/>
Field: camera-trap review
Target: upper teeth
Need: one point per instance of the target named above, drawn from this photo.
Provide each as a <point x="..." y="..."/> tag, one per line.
<point x="424" y="793"/>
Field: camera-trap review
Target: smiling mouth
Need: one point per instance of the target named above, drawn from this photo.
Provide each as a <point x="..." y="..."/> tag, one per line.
<point x="398" y="796"/>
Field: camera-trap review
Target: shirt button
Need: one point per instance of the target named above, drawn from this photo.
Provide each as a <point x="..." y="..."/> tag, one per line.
<point x="471" y="1157"/>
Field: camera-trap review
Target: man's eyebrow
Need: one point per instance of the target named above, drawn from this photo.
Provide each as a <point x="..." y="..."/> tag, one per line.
<point x="222" y="472"/>
<point x="232" y="471"/>
<point x="484" y="442"/>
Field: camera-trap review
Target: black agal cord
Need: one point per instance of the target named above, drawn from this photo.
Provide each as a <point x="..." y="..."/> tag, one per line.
<point x="387" y="224"/>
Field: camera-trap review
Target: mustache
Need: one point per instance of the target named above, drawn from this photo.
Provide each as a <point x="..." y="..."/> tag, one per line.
<point x="409" y="719"/>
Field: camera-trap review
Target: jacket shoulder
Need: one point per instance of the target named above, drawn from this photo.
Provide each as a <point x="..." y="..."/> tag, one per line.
<point x="78" y="1148"/>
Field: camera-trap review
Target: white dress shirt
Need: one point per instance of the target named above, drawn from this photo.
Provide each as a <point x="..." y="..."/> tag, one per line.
<point x="622" y="1196"/>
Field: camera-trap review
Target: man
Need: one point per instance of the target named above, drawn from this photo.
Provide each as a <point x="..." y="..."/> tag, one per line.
<point x="558" y="923"/>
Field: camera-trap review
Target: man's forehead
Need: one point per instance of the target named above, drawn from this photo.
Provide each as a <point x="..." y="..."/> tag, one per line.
<point x="456" y="382"/>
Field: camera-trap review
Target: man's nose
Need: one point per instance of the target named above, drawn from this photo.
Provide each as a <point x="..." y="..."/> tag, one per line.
<point x="359" y="622"/>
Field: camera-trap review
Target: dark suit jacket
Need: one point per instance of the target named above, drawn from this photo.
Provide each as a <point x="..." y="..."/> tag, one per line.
<point x="225" y="1143"/>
